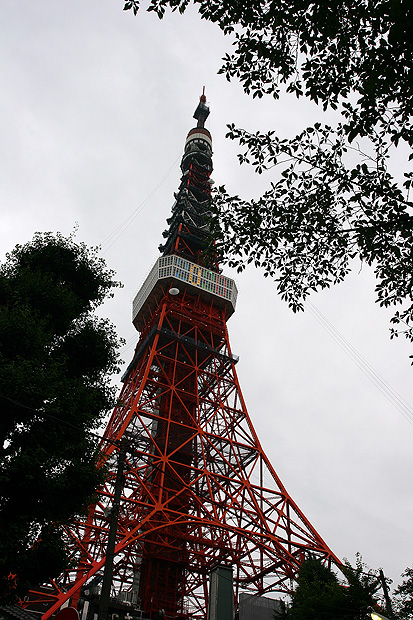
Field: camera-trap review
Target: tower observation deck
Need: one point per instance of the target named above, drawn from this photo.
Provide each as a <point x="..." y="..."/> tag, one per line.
<point x="198" y="489"/>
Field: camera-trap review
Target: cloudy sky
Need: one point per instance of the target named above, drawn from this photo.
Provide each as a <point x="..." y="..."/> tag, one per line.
<point x="95" y="106"/>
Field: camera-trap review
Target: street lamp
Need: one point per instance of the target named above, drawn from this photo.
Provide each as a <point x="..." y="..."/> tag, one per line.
<point x="374" y="615"/>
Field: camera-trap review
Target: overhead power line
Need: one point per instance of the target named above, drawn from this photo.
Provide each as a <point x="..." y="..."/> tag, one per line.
<point x="371" y="373"/>
<point x="123" y="226"/>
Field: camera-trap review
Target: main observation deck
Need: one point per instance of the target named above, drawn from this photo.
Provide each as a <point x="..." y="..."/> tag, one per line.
<point x="173" y="271"/>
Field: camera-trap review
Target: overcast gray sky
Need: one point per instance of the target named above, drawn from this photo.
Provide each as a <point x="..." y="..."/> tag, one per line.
<point x="95" y="106"/>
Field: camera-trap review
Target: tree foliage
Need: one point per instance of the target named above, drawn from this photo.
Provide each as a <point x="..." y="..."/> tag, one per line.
<point x="404" y="596"/>
<point x="331" y="201"/>
<point x="318" y="217"/>
<point x="56" y="357"/>
<point x="319" y="593"/>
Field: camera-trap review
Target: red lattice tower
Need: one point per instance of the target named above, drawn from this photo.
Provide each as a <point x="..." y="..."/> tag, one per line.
<point x="198" y="488"/>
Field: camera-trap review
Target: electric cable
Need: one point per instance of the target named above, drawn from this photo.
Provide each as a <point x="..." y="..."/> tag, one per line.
<point x="132" y="341"/>
<point x="371" y="373"/>
<point x="123" y="226"/>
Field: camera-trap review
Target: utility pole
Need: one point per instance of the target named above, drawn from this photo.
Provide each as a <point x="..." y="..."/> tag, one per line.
<point x="389" y="608"/>
<point x="113" y="528"/>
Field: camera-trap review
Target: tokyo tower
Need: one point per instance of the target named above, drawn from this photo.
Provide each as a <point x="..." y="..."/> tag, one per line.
<point x="197" y="488"/>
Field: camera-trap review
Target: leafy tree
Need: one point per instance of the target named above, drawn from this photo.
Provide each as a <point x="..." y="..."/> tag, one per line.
<point x="331" y="200"/>
<point x="363" y="585"/>
<point x="55" y="360"/>
<point x="319" y="594"/>
<point x="404" y="596"/>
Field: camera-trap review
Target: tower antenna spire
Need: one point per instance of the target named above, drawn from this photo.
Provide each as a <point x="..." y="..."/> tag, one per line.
<point x="202" y="111"/>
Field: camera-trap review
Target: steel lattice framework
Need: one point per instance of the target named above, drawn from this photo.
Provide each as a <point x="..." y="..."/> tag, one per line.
<point x="198" y="488"/>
